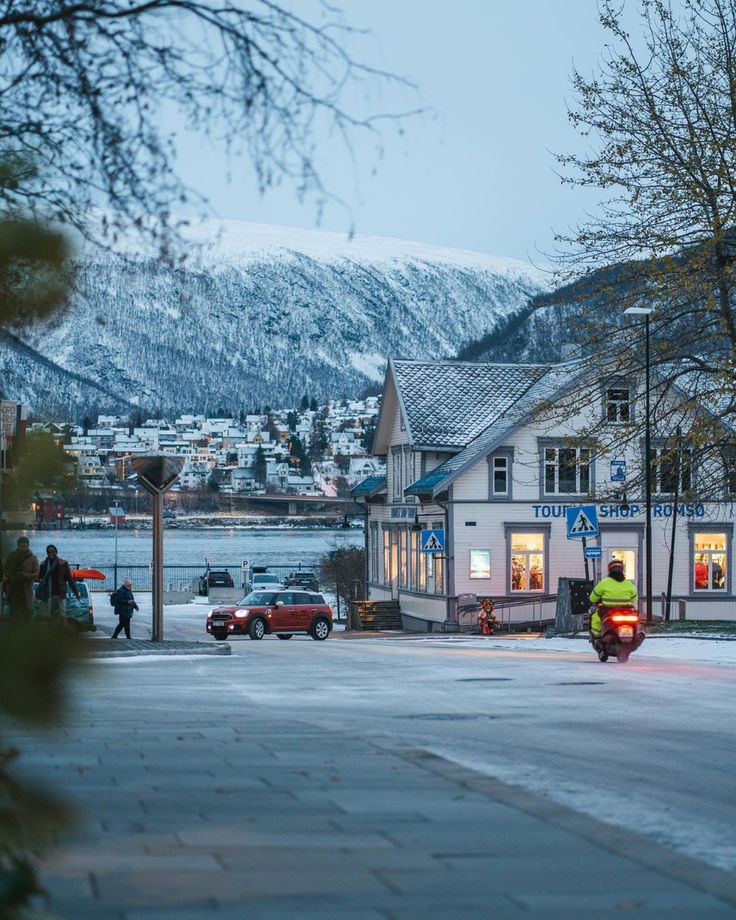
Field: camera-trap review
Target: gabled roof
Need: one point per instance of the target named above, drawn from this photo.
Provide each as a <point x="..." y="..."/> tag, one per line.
<point x="447" y="404"/>
<point x="555" y="380"/>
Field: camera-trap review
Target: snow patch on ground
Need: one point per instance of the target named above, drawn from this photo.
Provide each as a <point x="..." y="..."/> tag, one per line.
<point x="640" y="814"/>
<point x="714" y="651"/>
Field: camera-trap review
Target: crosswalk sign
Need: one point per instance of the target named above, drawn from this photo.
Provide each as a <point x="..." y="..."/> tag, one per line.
<point x="582" y="522"/>
<point x="433" y="541"/>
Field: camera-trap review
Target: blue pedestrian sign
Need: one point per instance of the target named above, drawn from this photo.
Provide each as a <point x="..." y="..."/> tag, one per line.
<point x="593" y="552"/>
<point x="618" y="471"/>
<point x="433" y="541"/>
<point x="582" y="522"/>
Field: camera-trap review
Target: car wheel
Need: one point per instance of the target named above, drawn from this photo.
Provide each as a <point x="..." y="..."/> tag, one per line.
<point x="320" y="629"/>
<point x="257" y="629"/>
<point x="219" y="635"/>
<point x="283" y="635"/>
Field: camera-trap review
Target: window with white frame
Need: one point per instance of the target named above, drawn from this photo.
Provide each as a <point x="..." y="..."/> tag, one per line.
<point x="527" y="562"/>
<point x="618" y="404"/>
<point x="408" y="467"/>
<point x="480" y="563"/>
<point x="709" y="561"/>
<point x="500" y="476"/>
<point x="663" y="464"/>
<point x="396" y="470"/>
<point x="386" y="556"/>
<point x="729" y="460"/>
<point x="566" y="470"/>
<point x="374" y="551"/>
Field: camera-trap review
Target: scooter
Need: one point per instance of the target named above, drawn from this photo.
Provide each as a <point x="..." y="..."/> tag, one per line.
<point x="620" y="633"/>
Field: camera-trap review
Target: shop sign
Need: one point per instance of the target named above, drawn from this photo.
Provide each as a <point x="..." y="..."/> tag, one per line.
<point x="616" y="512"/>
<point x="8" y="421"/>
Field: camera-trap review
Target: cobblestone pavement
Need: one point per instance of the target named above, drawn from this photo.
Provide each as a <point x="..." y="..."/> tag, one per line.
<point x="197" y="799"/>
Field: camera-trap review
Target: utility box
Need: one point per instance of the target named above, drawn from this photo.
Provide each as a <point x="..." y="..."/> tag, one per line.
<point x="468" y="609"/>
<point x="573" y="603"/>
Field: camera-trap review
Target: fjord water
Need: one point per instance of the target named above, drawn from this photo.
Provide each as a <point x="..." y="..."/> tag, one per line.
<point x="262" y="546"/>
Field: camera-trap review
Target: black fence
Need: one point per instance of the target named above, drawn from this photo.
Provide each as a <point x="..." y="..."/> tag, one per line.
<point x="182" y="577"/>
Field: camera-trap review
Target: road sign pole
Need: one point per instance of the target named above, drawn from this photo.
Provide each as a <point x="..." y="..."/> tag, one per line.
<point x="585" y="560"/>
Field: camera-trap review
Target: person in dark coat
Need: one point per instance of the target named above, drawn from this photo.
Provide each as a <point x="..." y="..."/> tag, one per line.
<point x="124" y="606"/>
<point x="21" y="570"/>
<point x="53" y="577"/>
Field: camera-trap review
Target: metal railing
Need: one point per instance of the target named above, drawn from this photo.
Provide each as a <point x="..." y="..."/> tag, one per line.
<point x="180" y="577"/>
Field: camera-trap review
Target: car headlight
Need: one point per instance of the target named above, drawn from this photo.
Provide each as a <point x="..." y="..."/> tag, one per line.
<point x="243" y="612"/>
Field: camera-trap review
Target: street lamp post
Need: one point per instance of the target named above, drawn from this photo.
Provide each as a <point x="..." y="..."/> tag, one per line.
<point x="157" y="473"/>
<point x="646" y="313"/>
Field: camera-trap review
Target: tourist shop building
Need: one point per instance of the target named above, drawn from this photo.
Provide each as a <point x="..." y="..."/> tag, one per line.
<point x="482" y="454"/>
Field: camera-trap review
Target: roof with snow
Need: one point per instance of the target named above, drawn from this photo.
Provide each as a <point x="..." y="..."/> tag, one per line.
<point x="549" y="383"/>
<point x="448" y="404"/>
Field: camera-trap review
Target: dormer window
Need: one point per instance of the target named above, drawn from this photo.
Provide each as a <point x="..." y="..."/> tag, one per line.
<point x="618" y="404"/>
<point x="500" y="481"/>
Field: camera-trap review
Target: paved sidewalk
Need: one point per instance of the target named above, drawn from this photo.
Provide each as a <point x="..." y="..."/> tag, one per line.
<point x="194" y="805"/>
<point x="99" y="645"/>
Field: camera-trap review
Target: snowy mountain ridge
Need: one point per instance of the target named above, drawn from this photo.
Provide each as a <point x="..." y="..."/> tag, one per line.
<point x="256" y="315"/>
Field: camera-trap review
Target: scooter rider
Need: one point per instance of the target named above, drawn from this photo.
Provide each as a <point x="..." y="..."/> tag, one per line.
<point x="613" y="591"/>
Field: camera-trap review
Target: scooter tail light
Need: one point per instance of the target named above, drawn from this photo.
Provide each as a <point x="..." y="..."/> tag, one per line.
<point x="625" y="618"/>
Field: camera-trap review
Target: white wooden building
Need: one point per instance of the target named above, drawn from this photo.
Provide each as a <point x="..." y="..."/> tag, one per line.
<point x="477" y="451"/>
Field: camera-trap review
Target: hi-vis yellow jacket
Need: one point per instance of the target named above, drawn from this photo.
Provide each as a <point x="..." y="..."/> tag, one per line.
<point x="610" y="592"/>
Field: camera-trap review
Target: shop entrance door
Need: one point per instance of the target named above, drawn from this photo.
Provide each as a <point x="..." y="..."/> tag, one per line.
<point x="623" y="546"/>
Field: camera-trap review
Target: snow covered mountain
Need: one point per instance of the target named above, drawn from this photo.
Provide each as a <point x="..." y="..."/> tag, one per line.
<point x="256" y="315"/>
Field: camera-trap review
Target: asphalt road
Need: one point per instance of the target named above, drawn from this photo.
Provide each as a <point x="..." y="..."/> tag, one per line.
<point x="650" y="746"/>
<point x="390" y="779"/>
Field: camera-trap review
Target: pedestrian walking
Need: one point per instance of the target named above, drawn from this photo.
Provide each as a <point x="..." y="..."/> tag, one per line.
<point x="21" y="571"/>
<point x="54" y="576"/>
<point x="124" y="604"/>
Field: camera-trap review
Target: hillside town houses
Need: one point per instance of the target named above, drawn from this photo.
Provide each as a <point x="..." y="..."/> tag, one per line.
<point x="310" y="451"/>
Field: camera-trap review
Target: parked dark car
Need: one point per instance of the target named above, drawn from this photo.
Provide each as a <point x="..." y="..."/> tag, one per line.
<point x="214" y="578"/>
<point x="306" y="580"/>
<point x="282" y="613"/>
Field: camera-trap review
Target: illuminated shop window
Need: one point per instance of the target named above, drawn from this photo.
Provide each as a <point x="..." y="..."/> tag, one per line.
<point x="709" y="562"/>
<point x="527" y="562"/>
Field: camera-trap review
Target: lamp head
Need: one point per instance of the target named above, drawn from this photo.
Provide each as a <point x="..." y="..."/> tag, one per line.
<point x="157" y="472"/>
<point x="638" y="311"/>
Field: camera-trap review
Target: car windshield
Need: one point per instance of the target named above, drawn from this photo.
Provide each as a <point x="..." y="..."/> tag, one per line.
<point x="259" y="599"/>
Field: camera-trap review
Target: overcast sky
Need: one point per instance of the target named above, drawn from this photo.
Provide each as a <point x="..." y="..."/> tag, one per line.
<point x="478" y="174"/>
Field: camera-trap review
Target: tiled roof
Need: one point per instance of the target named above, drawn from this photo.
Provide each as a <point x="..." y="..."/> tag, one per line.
<point x="371" y="485"/>
<point x="448" y="404"/>
<point x="553" y="380"/>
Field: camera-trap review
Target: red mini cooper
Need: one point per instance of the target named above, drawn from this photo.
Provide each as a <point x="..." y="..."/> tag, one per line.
<point x="280" y="612"/>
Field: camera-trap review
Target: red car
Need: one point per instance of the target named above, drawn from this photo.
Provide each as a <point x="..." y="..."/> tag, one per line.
<point x="280" y="612"/>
